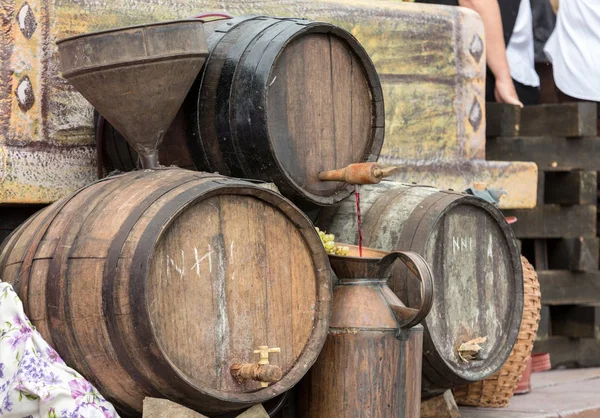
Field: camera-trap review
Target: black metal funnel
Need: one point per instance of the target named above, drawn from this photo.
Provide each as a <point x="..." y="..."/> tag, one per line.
<point x="137" y="77"/>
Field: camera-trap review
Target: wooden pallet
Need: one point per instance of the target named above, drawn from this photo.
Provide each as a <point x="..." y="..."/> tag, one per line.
<point x="560" y="235"/>
<point x="557" y="137"/>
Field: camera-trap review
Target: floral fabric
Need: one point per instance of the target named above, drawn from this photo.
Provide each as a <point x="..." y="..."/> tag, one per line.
<point x="34" y="380"/>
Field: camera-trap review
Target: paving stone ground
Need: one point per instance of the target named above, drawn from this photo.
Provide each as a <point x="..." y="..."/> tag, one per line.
<point x="555" y="394"/>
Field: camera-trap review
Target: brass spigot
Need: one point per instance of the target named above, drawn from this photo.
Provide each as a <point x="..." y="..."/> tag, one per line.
<point x="262" y="372"/>
<point x="264" y="352"/>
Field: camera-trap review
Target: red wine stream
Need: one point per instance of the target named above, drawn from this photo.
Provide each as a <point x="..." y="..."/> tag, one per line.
<point x="357" y="197"/>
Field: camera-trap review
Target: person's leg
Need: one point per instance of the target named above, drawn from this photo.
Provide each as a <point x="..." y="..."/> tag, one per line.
<point x="527" y="95"/>
<point x="490" y="82"/>
<point x="565" y="98"/>
<point x="547" y="89"/>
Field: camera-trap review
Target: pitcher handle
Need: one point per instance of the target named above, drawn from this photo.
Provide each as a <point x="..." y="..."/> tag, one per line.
<point x="408" y="317"/>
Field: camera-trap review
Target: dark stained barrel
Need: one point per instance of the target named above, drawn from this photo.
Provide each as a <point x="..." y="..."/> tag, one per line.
<point x="478" y="279"/>
<point x="154" y="283"/>
<point x="280" y="100"/>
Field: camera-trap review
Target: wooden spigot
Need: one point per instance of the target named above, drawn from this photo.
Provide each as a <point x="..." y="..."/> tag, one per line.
<point x="359" y="173"/>
<point x="262" y="372"/>
<point x="471" y="350"/>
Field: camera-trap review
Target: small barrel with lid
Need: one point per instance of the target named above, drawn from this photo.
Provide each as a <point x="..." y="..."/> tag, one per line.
<point x="281" y="100"/>
<point x="170" y="283"/>
<point x="478" y="280"/>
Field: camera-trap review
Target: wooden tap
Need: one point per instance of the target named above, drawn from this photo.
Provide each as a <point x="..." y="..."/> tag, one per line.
<point x="359" y="173"/>
<point x="262" y="372"/>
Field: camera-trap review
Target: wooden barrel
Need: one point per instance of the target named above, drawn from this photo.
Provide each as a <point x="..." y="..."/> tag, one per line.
<point x="478" y="279"/>
<point x="280" y="100"/>
<point x="154" y="283"/>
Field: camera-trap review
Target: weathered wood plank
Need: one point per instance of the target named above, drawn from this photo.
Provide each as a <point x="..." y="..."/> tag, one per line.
<point x="554" y="221"/>
<point x="502" y="119"/>
<point x="562" y="287"/>
<point x="413" y="100"/>
<point x="433" y="96"/>
<point x="561" y="119"/>
<point x="549" y="153"/>
<point x="541" y="185"/>
<point x="519" y="179"/>
<point x="575" y="254"/>
<point x="544" y="327"/>
<point x="571" y="352"/>
<point x="257" y="411"/>
<point x="570" y="187"/>
<point x="576" y="321"/>
<point x="540" y="251"/>
<point x="443" y="406"/>
<point x="163" y="408"/>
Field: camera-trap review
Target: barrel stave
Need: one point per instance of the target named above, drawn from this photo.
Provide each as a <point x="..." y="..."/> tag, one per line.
<point x="249" y="119"/>
<point x="17" y="244"/>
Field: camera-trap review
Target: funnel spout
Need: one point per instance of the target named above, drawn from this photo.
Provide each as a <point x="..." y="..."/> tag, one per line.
<point x="150" y="160"/>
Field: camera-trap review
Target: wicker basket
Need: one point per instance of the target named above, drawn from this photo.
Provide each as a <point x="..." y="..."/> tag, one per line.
<point x="497" y="390"/>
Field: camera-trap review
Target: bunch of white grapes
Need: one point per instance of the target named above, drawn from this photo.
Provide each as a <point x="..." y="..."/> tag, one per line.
<point x="329" y="244"/>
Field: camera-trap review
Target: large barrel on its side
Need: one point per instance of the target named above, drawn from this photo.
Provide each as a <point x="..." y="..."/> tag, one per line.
<point x="280" y="100"/>
<point x="154" y="283"/>
<point x="478" y="279"/>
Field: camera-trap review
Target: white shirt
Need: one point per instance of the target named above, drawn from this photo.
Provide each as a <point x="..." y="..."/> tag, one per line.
<point x="520" y="48"/>
<point x="574" y="49"/>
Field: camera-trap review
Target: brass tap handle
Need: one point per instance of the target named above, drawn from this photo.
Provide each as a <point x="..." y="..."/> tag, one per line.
<point x="359" y="173"/>
<point x="264" y="352"/>
<point x="264" y="373"/>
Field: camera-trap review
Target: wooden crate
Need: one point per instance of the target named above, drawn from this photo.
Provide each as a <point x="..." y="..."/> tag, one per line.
<point x="560" y="235"/>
